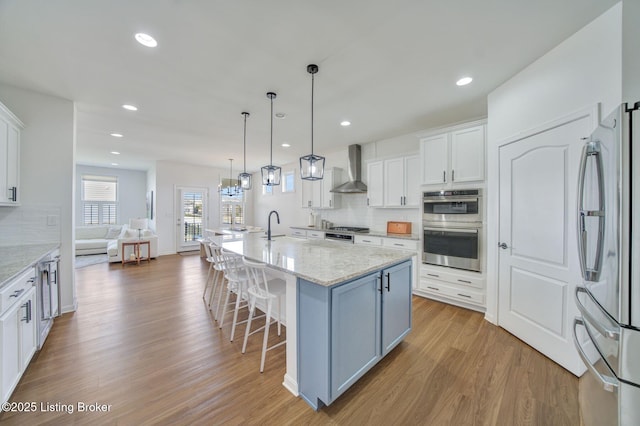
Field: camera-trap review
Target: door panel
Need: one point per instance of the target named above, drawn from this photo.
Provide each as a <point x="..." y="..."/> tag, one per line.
<point x="191" y="217"/>
<point x="396" y="305"/>
<point x="538" y="269"/>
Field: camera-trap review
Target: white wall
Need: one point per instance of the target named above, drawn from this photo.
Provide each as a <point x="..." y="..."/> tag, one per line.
<point x="47" y="170"/>
<point x="132" y="191"/>
<point x="583" y="70"/>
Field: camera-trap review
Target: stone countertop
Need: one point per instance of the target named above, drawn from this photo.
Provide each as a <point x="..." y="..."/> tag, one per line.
<point x="16" y="259"/>
<point x="415" y="237"/>
<point x="322" y="262"/>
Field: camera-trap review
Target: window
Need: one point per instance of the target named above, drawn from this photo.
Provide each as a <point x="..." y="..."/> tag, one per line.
<point x="267" y="190"/>
<point x="100" y="200"/>
<point x="288" y="181"/>
<point x="232" y="208"/>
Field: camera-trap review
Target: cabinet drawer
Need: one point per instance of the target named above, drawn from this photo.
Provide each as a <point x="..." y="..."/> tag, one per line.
<point x="400" y="243"/>
<point x="365" y="239"/>
<point x="453" y="277"/>
<point x="437" y="287"/>
<point x="16" y="289"/>
<point x="298" y="233"/>
<point x="315" y="234"/>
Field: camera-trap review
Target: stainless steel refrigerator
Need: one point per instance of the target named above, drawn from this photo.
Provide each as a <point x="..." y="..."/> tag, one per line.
<point x="607" y="334"/>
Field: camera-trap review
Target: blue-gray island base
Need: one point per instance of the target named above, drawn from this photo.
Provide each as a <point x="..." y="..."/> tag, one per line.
<point x="345" y="329"/>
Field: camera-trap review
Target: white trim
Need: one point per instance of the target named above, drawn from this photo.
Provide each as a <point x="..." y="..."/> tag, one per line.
<point x="450" y="128"/>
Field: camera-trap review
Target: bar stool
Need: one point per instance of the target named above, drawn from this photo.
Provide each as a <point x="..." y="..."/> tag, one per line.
<point x="266" y="291"/>
<point x="214" y="252"/>
<point x="209" y="258"/>
<point x="237" y="278"/>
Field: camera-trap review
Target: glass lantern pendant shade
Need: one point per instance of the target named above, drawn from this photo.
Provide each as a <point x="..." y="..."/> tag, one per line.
<point x="312" y="166"/>
<point x="244" y="178"/>
<point x="271" y="174"/>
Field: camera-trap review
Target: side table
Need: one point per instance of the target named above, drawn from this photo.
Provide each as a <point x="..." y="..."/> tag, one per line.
<point x="136" y="250"/>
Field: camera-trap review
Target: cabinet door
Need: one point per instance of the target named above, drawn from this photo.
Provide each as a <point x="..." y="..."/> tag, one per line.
<point x="355" y="331"/>
<point x="9" y="351"/>
<point x="4" y="161"/>
<point x="311" y="193"/>
<point x="396" y="305"/>
<point x="27" y="315"/>
<point x="435" y="159"/>
<point x="412" y="169"/>
<point x="328" y="183"/>
<point x="13" y="161"/>
<point x="394" y="182"/>
<point x="467" y="155"/>
<point x="375" y="183"/>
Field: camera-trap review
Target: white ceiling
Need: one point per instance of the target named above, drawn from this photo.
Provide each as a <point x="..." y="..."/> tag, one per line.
<point x="387" y="66"/>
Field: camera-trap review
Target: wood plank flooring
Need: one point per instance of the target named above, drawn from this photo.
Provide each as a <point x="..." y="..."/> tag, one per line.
<point x="144" y="343"/>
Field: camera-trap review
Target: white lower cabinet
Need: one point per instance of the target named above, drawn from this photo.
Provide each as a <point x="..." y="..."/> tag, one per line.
<point x="18" y="332"/>
<point x="453" y="286"/>
<point x="307" y="233"/>
<point x="300" y="233"/>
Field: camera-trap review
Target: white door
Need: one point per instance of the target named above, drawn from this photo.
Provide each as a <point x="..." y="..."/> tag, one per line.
<point x="538" y="261"/>
<point x="191" y="216"/>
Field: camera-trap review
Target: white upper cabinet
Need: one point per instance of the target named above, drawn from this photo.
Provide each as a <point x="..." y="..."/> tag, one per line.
<point x="455" y="157"/>
<point x="402" y="182"/>
<point x="317" y="193"/>
<point x="10" y="127"/>
<point x="375" y="183"/>
<point x="394" y="182"/>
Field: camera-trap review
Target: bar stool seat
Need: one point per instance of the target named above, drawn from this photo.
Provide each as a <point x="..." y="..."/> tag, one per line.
<point x="266" y="291"/>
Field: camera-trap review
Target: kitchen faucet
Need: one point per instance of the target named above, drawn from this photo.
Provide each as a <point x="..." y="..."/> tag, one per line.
<point x="269" y="223"/>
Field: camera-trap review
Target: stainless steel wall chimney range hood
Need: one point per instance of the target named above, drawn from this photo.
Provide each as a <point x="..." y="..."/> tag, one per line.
<point x="355" y="185"/>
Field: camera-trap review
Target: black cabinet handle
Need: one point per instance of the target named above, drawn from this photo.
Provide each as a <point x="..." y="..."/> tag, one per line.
<point x="433" y="288"/>
<point x="14" y="193"/>
<point x="464" y="281"/>
<point x="464" y="295"/>
<point x="388" y="286"/>
<point x="434" y="275"/>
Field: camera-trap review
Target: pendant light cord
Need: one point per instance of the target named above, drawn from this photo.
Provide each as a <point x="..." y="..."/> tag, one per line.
<point x="312" y="81"/>
<point x="271" y="151"/>
<point x="244" y="145"/>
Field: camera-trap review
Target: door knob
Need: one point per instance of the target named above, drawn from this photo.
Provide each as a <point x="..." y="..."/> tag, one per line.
<point x="503" y="246"/>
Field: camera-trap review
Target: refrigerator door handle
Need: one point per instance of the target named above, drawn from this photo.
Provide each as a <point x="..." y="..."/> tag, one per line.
<point x="610" y="384"/>
<point x="591" y="149"/>
<point x="607" y="332"/>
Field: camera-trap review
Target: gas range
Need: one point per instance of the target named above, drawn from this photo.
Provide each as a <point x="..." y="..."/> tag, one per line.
<point x="344" y="233"/>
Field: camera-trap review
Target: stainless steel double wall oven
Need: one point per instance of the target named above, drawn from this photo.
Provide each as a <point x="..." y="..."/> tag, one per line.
<point x="452" y="229"/>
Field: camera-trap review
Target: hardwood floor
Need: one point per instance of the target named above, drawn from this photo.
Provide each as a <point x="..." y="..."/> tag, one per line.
<point x="144" y="343"/>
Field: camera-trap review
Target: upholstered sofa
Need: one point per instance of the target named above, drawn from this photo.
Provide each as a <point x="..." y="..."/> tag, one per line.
<point x="98" y="239"/>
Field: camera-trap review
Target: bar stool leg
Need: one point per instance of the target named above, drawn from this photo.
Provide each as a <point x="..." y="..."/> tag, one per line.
<point x="266" y="334"/>
<point x="252" y="308"/>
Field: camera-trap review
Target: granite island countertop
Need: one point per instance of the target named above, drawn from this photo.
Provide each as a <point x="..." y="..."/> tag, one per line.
<point x="16" y="259"/>
<point x="320" y="261"/>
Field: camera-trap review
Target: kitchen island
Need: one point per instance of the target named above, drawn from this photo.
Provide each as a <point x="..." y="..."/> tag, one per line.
<point x="346" y="307"/>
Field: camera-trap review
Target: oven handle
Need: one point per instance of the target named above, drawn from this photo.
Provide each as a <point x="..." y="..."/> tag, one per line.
<point x="461" y="231"/>
<point x="449" y="199"/>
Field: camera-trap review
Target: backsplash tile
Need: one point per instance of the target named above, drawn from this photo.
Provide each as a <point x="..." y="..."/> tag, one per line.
<point x="33" y="224"/>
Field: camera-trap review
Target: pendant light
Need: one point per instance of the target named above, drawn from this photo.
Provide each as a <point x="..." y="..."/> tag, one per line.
<point x="232" y="189"/>
<point x="244" y="178"/>
<point x="271" y="174"/>
<point x="312" y="166"/>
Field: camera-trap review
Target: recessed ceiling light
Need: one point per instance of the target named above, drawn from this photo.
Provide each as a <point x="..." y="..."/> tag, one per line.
<point x="345" y="123"/>
<point x="130" y="107"/>
<point x="116" y="135"/>
<point x="464" y="81"/>
<point x="115" y="152"/>
<point x="146" y="40"/>
<point x="280" y="115"/>
<point x="114" y="164"/>
<point x="285" y="145"/>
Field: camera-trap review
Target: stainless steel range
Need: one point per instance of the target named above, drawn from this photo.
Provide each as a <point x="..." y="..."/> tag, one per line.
<point x="344" y="233"/>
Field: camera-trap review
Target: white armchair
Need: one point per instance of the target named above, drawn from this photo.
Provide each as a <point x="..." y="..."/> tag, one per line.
<point x="114" y="250"/>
